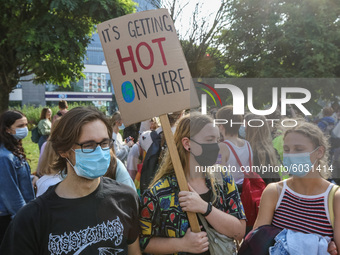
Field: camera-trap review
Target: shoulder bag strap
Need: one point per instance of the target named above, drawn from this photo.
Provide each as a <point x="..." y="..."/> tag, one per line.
<point x="330" y="203"/>
<point x="203" y="221"/>
<point x="236" y="156"/>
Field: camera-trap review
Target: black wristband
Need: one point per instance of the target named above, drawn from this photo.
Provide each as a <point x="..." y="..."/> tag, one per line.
<point x="209" y="209"/>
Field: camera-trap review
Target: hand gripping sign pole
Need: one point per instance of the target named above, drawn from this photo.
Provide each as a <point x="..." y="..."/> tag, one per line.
<point x="182" y="182"/>
<point x="150" y="75"/>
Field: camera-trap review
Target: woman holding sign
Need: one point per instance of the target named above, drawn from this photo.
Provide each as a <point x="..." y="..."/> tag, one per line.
<point x="164" y="223"/>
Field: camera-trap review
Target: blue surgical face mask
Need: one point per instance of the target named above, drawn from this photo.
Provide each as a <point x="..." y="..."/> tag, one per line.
<point x="242" y="132"/>
<point x="298" y="164"/>
<point x="91" y="165"/>
<point x="122" y="127"/>
<point x="20" y="133"/>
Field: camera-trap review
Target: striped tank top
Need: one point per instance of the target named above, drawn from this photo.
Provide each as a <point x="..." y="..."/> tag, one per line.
<point x="303" y="213"/>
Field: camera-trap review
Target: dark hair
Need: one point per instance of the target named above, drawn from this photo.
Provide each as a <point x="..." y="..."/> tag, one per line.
<point x="112" y="170"/>
<point x="48" y="156"/>
<point x="43" y="113"/>
<point x="132" y="130"/>
<point x="7" y="119"/>
<point x="67" y="131"/>
<point x="62" y="104"/>
<point x="226" y="113"/>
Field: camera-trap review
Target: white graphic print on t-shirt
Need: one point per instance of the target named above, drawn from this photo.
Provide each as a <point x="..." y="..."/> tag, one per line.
<point x="78" y="241"/>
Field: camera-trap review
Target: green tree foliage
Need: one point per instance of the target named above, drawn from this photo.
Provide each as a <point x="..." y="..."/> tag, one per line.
<point x="276" y="38"/>
<point x="285" y="38"/>
<point x="49" y="38"/>
<point x="204" y="61"/>
<point x="32" y="113"/>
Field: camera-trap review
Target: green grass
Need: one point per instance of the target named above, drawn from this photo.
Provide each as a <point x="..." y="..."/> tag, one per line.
<point x="32" y="151"/>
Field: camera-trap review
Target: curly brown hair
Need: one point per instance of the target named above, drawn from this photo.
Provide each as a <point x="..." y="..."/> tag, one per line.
<point x="7" y="119"/>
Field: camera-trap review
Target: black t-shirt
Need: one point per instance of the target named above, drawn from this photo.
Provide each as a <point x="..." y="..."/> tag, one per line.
<point x="104" y="222"/>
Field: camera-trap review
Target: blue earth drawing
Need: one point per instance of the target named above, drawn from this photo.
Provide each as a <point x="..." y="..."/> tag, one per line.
<point x="128" y="92"/>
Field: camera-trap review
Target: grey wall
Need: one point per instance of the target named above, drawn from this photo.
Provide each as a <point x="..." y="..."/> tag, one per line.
<point x="33" y="94"/>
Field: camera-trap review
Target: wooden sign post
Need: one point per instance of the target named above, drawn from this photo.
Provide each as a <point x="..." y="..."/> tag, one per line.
<point x="149" y="74"/>
<point x="176" y="162"/>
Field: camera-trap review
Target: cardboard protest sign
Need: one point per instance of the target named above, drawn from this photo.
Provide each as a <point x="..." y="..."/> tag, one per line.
<point x="149" y="74"/>
<point x="147" y="66"/>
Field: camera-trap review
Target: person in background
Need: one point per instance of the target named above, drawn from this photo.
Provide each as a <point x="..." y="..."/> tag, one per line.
<point x="44" y="125"/>
<point x="154" y="124"/>
<point x="154" y="144"/>
<point x="15" y="182"/>
<point x="327" y="123"/>
<point x="117" y="171"/>
<point x="164" y="223"/>
<point x="133" y="159"/>
<point x="336" y="109"/>
<point x="99" y="212"/>
<point x="121" y="148"/>
<point x="131" y="131"/>
<point x="63" y="106"/>
<point x="300" y="203"/>
<point x="242" y="147"/>
<point x="49" y="177"/>
<point x="145" y="126"/>
<point x="264" y="154"/>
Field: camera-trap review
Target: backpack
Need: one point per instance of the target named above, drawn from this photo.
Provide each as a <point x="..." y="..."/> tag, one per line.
<point x="35" y="135"/>
<point x="331" y="195"/>
<point x="151" y="161"/>
<point x="252" y="188"/>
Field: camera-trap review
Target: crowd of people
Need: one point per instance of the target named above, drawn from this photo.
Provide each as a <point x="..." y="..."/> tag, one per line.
<point x="99" y="190"/>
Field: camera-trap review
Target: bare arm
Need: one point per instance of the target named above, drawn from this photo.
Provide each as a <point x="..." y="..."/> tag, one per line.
<point x="227" y="224"/>
<point x="268" y="203"/>
<point x="337" y="221"/>
<point x="222" y="222"/>
<point x="134" y="249"/>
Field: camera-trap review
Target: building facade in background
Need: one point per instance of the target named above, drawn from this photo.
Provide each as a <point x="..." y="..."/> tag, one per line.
<point x="96" y="87"/>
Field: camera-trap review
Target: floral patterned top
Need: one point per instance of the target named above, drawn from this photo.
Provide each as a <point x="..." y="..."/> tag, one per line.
<point x="162" y="216"/>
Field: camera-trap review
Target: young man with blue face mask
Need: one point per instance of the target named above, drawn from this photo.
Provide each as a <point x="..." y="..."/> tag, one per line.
<point x="85" y="213"/>
<point x="15" y="182"/>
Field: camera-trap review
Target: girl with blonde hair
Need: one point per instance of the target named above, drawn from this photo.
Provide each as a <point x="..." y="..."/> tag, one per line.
<point x="264" y="154"/>
<point x="300" y="203"/>
<point x="164" y="223"/>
